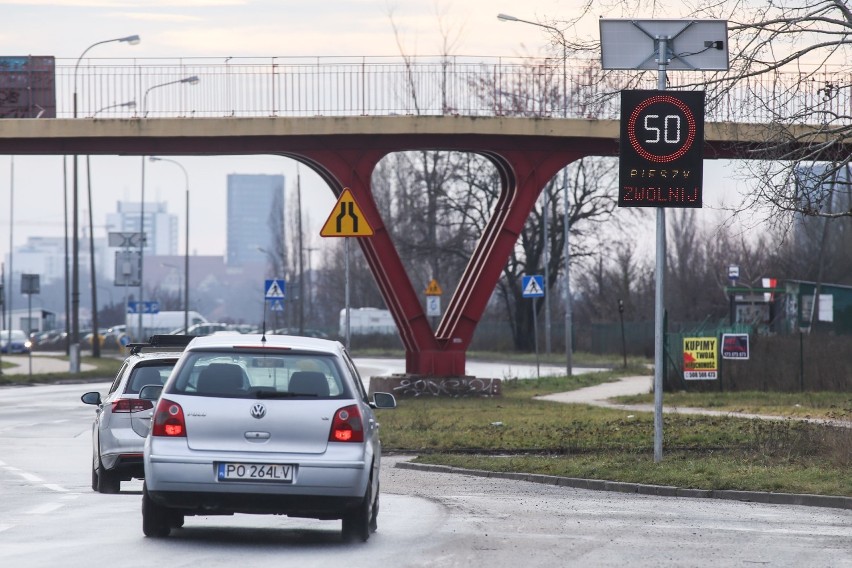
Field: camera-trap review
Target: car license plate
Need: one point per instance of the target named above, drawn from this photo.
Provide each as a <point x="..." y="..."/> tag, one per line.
<point x="282" y="473"/>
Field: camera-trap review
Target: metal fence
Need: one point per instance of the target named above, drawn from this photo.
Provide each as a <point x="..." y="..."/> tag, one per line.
<point x="429" y="86"/>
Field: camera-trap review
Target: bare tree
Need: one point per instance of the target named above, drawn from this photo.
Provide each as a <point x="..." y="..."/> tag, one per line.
<point x="789" y="66"/>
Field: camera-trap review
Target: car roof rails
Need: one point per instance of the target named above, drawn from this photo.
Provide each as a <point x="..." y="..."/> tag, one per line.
<point x="161" y="343"/>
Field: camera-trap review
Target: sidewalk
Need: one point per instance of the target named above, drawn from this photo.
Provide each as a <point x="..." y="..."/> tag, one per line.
<point x="599" y="395"/>
<point x="42" y="363"/>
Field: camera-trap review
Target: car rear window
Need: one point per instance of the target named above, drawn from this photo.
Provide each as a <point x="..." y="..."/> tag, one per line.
<point x="144" y="375"/>
<point x="260" y="375"/>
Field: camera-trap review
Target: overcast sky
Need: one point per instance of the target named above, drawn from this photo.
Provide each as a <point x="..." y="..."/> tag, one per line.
<point x="222" y="28"/>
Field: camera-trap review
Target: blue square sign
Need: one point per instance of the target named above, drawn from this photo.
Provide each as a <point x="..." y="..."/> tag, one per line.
<point x="532" y="286"/>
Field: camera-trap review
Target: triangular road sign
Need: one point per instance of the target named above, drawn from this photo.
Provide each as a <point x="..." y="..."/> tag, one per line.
<point x="433" y="289"/>
<point x="276" y="305"/>
<point x="346" y="219"/>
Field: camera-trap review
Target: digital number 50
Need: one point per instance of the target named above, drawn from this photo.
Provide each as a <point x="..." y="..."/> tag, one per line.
<point x="670" y="131"/>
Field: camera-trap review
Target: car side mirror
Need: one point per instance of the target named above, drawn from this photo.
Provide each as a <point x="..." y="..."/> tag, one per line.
<point x="92" y="398"/>
<point x="151" y="392"/>
<point x="383" y="400"/>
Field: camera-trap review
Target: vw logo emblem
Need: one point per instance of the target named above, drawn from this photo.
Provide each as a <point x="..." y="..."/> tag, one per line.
<point x="258" y="411"/>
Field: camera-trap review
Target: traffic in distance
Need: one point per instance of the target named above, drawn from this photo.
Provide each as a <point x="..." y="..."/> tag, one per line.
<point x="232" y="423"/>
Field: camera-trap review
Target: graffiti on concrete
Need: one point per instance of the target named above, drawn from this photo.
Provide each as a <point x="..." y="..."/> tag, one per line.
<point x="436" y="386"/>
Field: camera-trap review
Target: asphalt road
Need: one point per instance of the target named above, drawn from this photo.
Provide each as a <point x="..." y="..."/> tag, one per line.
<point x="50" y="517"/>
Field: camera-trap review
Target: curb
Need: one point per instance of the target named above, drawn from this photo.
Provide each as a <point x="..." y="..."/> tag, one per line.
<point x="836" y="502"/>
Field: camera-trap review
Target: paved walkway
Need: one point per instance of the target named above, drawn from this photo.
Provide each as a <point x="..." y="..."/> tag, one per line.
<point x="41" y="364"/>
<point x="599" y="395"/>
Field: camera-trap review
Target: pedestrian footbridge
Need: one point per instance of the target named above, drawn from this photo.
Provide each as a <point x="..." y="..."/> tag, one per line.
<point x="527" y="148"/>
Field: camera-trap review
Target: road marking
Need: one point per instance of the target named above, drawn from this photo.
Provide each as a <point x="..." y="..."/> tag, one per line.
<point x="32" y="478"/>
<point x="45" y="508"/>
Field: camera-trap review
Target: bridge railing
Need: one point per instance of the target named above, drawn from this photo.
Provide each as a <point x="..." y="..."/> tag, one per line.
<point x="428" y="86"/>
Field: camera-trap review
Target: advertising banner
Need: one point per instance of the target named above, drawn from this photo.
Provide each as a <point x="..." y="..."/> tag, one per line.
<point x="700" y="359"/>
<point x="735" y="346"/>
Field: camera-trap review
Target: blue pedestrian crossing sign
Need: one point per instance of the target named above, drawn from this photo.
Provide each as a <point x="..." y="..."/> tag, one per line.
<point x="276" y="305"/>
<point x="274" y="290"/>
<point x="532" y="286"/>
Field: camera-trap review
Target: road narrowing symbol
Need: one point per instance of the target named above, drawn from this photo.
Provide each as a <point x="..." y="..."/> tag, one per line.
<point x="346" y="219"/>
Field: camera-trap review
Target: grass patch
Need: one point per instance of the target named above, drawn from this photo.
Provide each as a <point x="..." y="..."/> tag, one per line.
<point x="578" y="359"/>
<point x="680" y="469"/>
<point x="822" y="404"/>
<point x="106" y="368"/>
<point x="515" y="432"/>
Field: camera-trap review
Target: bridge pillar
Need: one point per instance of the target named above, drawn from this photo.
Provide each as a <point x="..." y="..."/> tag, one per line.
<point x="441" y="353"/>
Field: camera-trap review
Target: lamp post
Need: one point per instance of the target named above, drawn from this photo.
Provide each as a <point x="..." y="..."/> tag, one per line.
<point x="74" y="347"/>
<point x="186" y="243"/>
<point x="191" y="80"/>
<point x="566" y="251"/>
<point x="176" y="268"/>
<point x="96" y="347"/>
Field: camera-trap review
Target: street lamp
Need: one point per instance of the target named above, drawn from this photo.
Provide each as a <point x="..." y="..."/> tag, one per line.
<point x="191" y="80"/>
<point x="566" y="249"/>
<point x="186" y="243"/>
<point x="96" y="347"/>
<point x="181" y="287"/>
<point x="74" y="348"/>
<point x="128" y="104"/>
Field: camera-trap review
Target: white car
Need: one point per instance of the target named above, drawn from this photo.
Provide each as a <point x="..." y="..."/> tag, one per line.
<point x="263" y="424"/>
<point x="122" y="419"/>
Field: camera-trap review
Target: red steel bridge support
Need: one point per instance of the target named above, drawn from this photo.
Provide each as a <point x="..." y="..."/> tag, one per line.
<point x="525" y="168"/>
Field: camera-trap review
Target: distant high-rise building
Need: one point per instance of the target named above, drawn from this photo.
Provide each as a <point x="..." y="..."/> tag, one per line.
<point x="255" y="217"/>
<point x="161" y="227"/>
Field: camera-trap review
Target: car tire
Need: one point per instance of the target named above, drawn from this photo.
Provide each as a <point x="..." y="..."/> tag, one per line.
<point x="357" y="522"/>
<point x="176" y="519"/>
<point x="107" y="481"/>
<point x="374" y="518"/>
<point x="155" y="519"/>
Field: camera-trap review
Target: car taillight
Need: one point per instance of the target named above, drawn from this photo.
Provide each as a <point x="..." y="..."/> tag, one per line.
<point x="347" y="425"/>
<point x="131" y="405"/>
<point x="168" y="420"/>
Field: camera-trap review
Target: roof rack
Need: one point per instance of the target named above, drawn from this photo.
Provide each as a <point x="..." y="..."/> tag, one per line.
<point x="161" y="343"/>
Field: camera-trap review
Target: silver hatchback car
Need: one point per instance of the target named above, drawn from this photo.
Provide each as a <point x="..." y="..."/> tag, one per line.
<point x="122" y="419"/>
<point x="266" y="425"/>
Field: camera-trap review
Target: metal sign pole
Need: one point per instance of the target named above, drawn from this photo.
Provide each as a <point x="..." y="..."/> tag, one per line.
<point x="535" y="340"/>
<point x="29" y="327"/>
<point x="346" y="260"/>
<point x="659" y="281"/>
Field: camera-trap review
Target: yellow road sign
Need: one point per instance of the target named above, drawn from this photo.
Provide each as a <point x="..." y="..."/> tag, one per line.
<point x="346" y="219"/>
<point x="433" y="289"/>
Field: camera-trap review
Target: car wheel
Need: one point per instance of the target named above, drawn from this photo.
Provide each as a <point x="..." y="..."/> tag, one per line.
<point x="155" y="519"/>
<point x="107" y="481"/>
<point x="374" y="519"/>
<point x="176" y="519"/>
<point x="357" y="522"/>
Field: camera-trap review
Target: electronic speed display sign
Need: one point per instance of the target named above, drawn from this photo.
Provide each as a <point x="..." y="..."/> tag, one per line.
<point x="662" y="133"/>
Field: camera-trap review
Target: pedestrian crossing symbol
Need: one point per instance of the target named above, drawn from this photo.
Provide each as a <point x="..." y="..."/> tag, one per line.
<point x="276" y="305"/>
<point x="274" y="289"/>
<point x="533" y="286"/>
